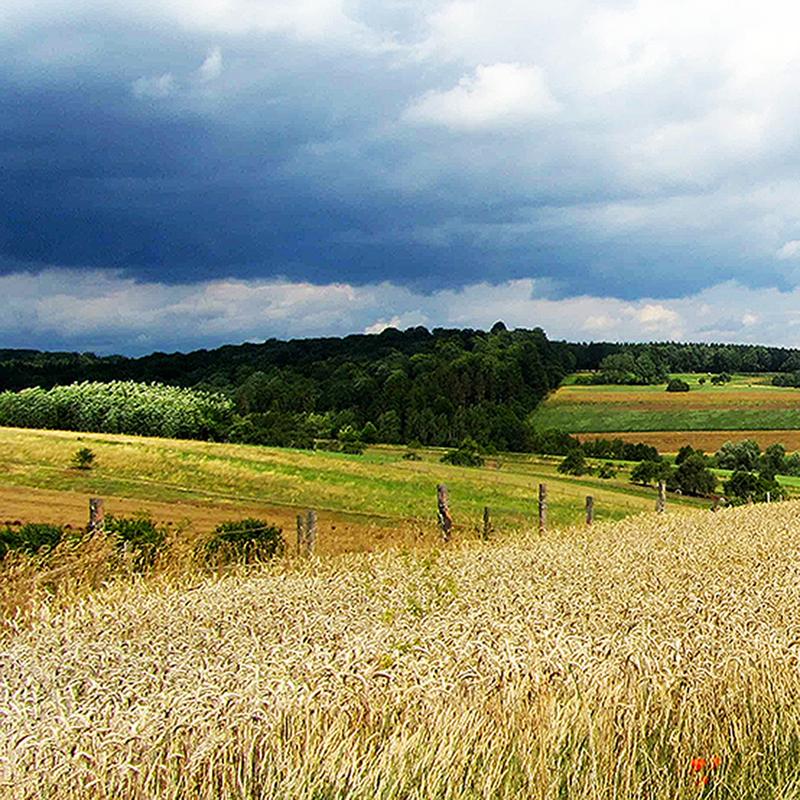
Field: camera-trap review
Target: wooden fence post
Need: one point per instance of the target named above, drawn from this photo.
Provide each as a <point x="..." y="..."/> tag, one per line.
<point x="311" y="532"/>
<point x="301" y="533"/>
<point x="589" y="510"/>
<point x="487" y="523"/>
<point x="97" y="515"/>
<point x="443" y="506"/>
<point x="661" y="503"/>
<point x="542" y="507"/>
<point x="769" y="497"/>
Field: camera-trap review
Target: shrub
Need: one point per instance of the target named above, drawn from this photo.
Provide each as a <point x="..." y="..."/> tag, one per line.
<point x="686" y="451"/>
<point x="245" y="540"/>
<point x="723" y="377"/>
<point x="677" y="385"/>
<point x="412" y="456"/>
<point x="574" y="463"/>
<point x="137" y="535"/>
<point x="693" y="477"/>
<point x="467" y="455"/>
<point x="29" y="538"/>
<point x="647" y="472"/>
<point x="350" y="441"/>
<point x="369" y="433"/>
<point x="744" y="455"/>
<point x="743" y="487"/>
<point x="607" y="471"/>
<point x="83" y="458"/>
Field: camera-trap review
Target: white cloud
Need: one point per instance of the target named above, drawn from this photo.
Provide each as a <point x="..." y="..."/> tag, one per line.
<point x="498" y="94"/>
<point x="82" y="308"/>
<point x="305" y="20"/>
<point x="789" y="250"/>
<point x="158" y="87"/>
<point x="656" y="317"/>
<point x="211" y="68"/>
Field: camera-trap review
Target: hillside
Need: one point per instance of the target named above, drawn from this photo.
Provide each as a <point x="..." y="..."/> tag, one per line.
<point x="656" y="657"/>
<point x="364" y="502"/>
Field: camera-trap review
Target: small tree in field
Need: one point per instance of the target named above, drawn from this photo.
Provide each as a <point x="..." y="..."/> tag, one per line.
<point x="83" y="458"/>
<point x="467" y="455"/>
<point x="574" y="463"/>
<point x="677" y="385"/>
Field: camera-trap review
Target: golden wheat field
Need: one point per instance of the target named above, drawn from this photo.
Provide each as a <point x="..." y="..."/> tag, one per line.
<point x="656" y="657"/>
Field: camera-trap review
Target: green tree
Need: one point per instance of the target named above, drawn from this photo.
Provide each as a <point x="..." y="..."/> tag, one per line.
<point x="677" y="385"/>
<point x="467" y="455"/>
<point x="648" y="471"/>
<point x="744" y="455"/>
<point x="574" y="463"/>
<point x="693" y="477"/>
<point x="83" y="458"/>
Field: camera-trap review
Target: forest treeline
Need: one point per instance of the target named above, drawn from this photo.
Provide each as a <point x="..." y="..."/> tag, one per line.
<point x="433" y="387"/>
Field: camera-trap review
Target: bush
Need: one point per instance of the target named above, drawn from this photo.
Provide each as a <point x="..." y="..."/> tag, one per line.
<point x="139" y="536"/>
<point x="677" y="385"/>
<point x="693" y="477"/>
<point x="574" y="463"/>
<point x="83" y="458"/>
<point x="723" y="377"/>
<point x="647" y="472"/>
<point x="743" y="456"/>
<point x="607" y="471"/>
<point x="686" y="451"/>
<point x="245" y="541"/>
<point x="742" y="487"/>
<point x="467" y="455"/>
<point x="29" y="538"/>
<point x="350" y="441"/>
<point x="412" y="456"/>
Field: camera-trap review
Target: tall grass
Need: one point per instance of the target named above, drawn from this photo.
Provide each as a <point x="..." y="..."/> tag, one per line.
<point x="582" y="664"/>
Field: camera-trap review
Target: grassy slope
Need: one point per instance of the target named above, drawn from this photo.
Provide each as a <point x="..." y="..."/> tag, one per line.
<point x="378" y="488"/>
<point x="747" y="403"/>
<point x="579" y="664"/>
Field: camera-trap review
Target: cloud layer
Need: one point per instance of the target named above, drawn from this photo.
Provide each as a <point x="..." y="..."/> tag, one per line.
<point x="107" y="312"/>
<point x="628" y="150"/>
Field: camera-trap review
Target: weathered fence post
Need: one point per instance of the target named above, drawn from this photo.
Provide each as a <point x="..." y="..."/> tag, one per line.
<point x="769" y="497"/>
<point x="311" y="532"/>
<point x="301" y="534"/>
<point x="589" y="510"/>
<point x="542" y="507"/>
<point x="97" y="515"/>
<point x="443" y="505"/>
<point x="661" y="503"/>
<point x="487" y="523"/>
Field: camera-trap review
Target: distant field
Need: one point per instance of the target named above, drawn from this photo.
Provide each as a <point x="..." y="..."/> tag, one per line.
<point x="363" y="501"/>
<point x="709" y="441"/>
<point x="746" y="404"/>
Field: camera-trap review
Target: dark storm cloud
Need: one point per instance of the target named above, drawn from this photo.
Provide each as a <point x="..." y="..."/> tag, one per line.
<point x="619" y="150"/>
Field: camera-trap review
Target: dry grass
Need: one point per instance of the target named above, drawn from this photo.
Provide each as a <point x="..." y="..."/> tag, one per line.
<point x="709" y="441"/>
<point x="584" y="664"/>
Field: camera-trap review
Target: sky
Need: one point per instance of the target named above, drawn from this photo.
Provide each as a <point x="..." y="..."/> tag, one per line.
<point x="179" y="174"/>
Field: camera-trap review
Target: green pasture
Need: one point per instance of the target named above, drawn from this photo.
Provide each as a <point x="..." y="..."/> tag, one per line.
<point x="380" y="486"/>
<point x="748" y="402"/>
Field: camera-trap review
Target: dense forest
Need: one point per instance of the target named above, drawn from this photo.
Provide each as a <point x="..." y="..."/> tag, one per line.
<point x="433" y="387"/>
